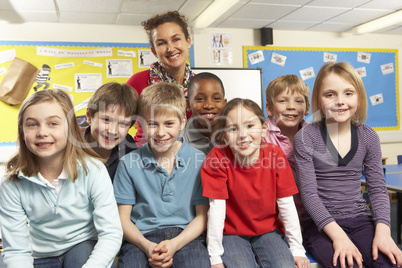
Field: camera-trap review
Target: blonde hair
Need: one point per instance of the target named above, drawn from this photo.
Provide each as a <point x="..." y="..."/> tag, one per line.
<point x="114" y="96"/>
<point x="290" y="82"/>
<point x="349" y="74"/>
<point x="232" y="104"/>
<point x="160" y="98"/>
<point x="76" y="150"/>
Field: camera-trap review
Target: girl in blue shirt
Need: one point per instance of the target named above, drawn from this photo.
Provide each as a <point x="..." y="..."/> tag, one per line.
<point x="57" y="207"/>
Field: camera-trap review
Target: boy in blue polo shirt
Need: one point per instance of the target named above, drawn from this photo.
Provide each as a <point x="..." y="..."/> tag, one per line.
<point x="158" y="189"/>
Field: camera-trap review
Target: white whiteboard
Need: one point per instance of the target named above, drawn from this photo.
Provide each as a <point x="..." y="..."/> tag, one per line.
<point x="238" y="82"/>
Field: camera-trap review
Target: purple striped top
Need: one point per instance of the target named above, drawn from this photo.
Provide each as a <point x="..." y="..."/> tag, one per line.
<point x="330" y="186"/>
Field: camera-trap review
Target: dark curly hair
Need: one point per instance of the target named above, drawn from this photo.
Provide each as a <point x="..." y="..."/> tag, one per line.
<point x="172" y="16"/>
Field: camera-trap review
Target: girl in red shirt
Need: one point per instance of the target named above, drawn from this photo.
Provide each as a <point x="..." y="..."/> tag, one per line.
<point x="249" y="183"/>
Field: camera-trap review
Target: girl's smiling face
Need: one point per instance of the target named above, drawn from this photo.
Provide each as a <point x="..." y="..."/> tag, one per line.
<point x="243" y="133"/>
<point x="338" y="99"/>
<point x="45" y="130"/>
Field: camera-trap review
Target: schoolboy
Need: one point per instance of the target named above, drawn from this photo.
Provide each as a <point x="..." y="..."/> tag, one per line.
<point x="111" y="112"/>
<point x="158" y="188"/>
<point x="287" y="98"/>
<point x="206" y="98"/>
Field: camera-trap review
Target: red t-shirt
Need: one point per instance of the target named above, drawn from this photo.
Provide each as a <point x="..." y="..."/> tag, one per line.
<point x="250" y="192"/>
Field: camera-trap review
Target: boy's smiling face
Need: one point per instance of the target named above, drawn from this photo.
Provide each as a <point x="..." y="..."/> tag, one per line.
<point x="109" y="127"/>
<point x="206" y="102"/>
<point x="162" y="131"/>
<point x="288" y="109"/>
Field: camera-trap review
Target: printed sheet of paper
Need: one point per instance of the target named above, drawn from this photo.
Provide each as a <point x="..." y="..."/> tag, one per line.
<point x="376" y="99"/>
<point x="256" y="57"/>
<point x="330" y="57"/>
<point x="364" y="57"/>
<point x="7" y="55"/>
<point x="387" y="68"/>
<point x="362" y="71"/>
<point x="57" y="52"/>
<point x="307" y="73"/>
<point x="87" y="82"/>
<point x="92" y="63"/>
<point x="123" y="53"/>
<point x="64" y="65"/>
<point x="145" y="58"/>
<point x="278" y="59"/>
<point x="119" y="68"/>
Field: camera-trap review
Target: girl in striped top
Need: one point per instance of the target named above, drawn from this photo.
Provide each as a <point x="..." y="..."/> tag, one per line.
<point x="338" y="227"/>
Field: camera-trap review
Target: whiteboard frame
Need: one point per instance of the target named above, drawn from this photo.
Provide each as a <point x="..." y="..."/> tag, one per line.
<point x="243" y="94"/>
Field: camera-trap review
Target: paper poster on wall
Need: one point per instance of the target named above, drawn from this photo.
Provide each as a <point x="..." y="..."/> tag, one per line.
<point x="376" y="99"/>
<point x="330" y="57"/>
<point x="256" y="57"/>
<point x="92" y="63"/>
<point x="124" y="53"/>
<point x="87" y="82"/>
<point x="119" y="68"/>
<point x="278" y="59"/>
<point x="387" y="68"/>
<point x="220" y="40"/>
<point x="83" y="53"/>
<point x="220" y="49"/>
<point x="362" y="71"/>
<point x="7" y="55"/>
<point x="307" y="73"/>
<point x="221" y="57"/>
<point x="43" y="78"/>
<point x="363" y="57"/>
<point x="146" y="58"/>
<point x="64" y="65"/>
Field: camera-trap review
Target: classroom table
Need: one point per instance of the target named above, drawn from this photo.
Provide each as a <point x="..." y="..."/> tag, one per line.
<point x="389" y="169"/>
<point x="393" y="180"/>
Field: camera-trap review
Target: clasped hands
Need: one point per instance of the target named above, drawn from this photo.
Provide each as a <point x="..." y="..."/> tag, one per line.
<point x="161" y="255"/>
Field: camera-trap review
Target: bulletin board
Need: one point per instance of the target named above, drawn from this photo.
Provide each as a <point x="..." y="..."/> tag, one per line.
<point x="378" y="69"/>
<point x="76" y="67"/>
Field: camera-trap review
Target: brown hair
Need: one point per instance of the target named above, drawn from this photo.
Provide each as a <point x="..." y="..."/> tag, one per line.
<point x="232" y="104"/>
<point x="76" y="150"/>
<point x="114" y="96"/>
<point x="160" y="98"/>
<point x="172" y="16"/>
<point x="290" y="82"/>
<point x="348" y="73"/>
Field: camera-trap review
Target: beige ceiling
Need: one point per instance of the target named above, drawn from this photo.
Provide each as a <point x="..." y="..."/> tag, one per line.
<point x="303" y="15"/>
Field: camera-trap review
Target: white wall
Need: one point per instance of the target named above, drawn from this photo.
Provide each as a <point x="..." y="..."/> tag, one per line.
<point x="240" y="37"/>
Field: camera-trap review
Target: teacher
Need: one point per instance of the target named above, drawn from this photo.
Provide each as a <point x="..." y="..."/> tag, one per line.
<point x="170" y="43"/>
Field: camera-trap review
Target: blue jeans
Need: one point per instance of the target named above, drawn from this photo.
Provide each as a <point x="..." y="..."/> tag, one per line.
<point x="268" y="250"/>
<point x="360" y="230"/>
<point x="75" y="257"/>
<point x="194" y="254"/>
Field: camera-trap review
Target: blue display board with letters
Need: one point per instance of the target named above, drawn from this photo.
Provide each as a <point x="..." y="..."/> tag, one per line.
<point x="378" y="69"/>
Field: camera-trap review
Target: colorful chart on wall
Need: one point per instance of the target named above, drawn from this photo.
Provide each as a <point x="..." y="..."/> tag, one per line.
<point x="75" y="67"/>
<point x="378" y="69"/>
